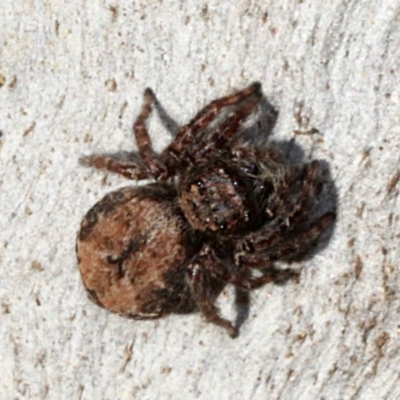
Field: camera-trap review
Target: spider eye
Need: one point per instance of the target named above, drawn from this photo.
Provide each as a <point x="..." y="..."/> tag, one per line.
<point x="235" y="183"/>
<point x="222" y="226"/>
<point x="250" y="170"/>
<point x="266" y="188"/>
<point x="200" y="184"/>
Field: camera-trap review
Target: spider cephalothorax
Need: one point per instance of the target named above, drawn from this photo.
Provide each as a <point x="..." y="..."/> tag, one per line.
<point x="217" y="197"/>
<point x="220" y="209"/>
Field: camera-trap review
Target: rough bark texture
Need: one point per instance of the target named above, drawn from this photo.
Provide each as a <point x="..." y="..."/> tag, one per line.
<point x="72" y="76"/>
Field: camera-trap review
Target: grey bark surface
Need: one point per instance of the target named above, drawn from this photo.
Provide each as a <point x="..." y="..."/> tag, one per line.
<point x="72" y="76"/>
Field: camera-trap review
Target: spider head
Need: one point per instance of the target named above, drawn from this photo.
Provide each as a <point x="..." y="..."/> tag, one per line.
<point x="216" y="198"/>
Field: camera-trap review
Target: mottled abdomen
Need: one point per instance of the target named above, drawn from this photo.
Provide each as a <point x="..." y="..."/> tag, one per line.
<point x="132" y="248"/>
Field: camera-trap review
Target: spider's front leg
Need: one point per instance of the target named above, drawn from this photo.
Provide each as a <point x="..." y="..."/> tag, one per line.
<point x="136" y="166"/>
<point x="189" y="133"/>
<point x="267" y="247"/>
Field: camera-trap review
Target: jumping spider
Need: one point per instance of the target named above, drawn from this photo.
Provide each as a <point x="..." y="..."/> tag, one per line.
<point x="221" y="211"/>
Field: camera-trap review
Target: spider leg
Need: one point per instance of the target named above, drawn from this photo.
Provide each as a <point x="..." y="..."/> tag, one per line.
<point x="200" y="279"/>
<point x="187" y="133"/>
<point x="142" y="165"/>
<point x="308" y="193"/>
<point x="132" y="169"/>
<point x="143" y="140"/>
<point x="275" y="245"/>
<point x="201" y="149"/>
<point x="296" y="191"/>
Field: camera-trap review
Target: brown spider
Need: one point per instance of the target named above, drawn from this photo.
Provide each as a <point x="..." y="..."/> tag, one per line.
<point x="221" y="211"/>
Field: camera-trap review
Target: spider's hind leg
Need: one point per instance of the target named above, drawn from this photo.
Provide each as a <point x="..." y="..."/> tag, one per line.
<point x="202" y="277"/>
<point x="132" y="168"/>
<point x="142" y="165"/>
<point x="150" y="159"/>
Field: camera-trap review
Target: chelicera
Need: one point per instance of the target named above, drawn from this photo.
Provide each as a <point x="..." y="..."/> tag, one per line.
<point x="221" y="211"/>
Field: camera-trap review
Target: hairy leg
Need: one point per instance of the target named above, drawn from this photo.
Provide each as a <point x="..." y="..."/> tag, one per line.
<point x="143" y="140"/>
<point x="200" y="149"/>
<point x="287" y="231"/>
<point x="187" y="133"/>
<point x="136" y="166"/>
<point x="276" y="245"/>
<point x="204" y="273"/>
<point x="200" y="283"/>
<point x="311" y="188"/>
<point x="132" y="169"/>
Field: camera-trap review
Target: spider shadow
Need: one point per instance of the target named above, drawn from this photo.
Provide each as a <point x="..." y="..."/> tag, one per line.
<point x="261" y="126"/>
<point x="258" y="134"/>
<point x="166" y="120"/>
<point x="328" y="198"/>
<point x="328" y="202"/>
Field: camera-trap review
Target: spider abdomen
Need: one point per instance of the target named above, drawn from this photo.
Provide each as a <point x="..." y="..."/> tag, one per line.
<point x="132" y="248"/>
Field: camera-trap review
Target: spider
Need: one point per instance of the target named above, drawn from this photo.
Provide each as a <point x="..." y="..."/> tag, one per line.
<point x="221" y="211"/>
